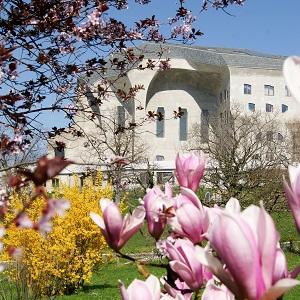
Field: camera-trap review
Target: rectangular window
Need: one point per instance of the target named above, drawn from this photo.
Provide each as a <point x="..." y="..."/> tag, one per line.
<point x="160" y="158"/>
<point x="121" y="116"/>
<point x="59" y="152"/>
<point x="204" y="129"/>
<point x="269" y="136"/>
<point x="160" y="122"/>
<point x="269" y="90"/>
<point x="269" y="107"/>
<point x="284" y="108"/>
<point x="251" y="107"/>
<point x="247" y="89"/>
<point x="287" y="92"/>
<point x="183" y="125"/>
<point x="55" y="182"/>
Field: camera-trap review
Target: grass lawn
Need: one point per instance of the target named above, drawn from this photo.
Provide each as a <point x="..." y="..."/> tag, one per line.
<point x="103" y="285"/>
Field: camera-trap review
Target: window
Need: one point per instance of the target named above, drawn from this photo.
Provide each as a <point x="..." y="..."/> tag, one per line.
<point x="251" y="107"/>
<point x="269" y="107"/>
<point x="183" y="125"/>
<point x="160" y="122"/>
<point x="269" y="90"/>
<point x="284" y="108"/>
<point x="247" y="89"/>
<point x="121" y="116"/>
<point x="269" y="136"/>
<point x="287" y="92"/>
<point x="55" y="182"/>
<point x="280" y="137"/>
<point x="204" y="129"/>
<point x="160" y="157"/>
<point x="59" y="152"/>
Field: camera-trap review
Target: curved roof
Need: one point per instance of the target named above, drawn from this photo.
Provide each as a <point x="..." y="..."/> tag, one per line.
<point x="242" y="58"/>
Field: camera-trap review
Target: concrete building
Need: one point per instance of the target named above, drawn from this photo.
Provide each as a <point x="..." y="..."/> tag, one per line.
<point x="200" y="80"/>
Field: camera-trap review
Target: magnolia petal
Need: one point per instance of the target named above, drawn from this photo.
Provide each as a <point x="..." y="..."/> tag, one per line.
<point x="191" y="196"/>
<point x="217" y="269"/>
<point x="279" y="288"/>
<point x="294" y="204"/>
<point x="98" y="220"/>
<point x="184" y="273"/>
<point x="123" y="291"/>
<point x="233" y="205"/>
<point x="138" y="290"/>
<point x="154" y="286"/>
<point x="291" y="73"/>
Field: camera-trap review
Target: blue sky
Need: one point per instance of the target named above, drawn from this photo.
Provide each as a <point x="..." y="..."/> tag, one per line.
<point x="270" y="26"/>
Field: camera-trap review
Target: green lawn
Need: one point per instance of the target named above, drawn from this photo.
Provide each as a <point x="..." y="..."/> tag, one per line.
<point x="103" y="285"/>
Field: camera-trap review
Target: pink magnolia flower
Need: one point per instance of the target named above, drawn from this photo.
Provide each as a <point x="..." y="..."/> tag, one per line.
<point x="158" y="208"/>
<point x="293" y="193"/>
<point x="117" y="230"/>
<point x="291" y="73"/>
<point x="190" y="170"/>
<point x="138" y="289"/>
<point x="216" y="292"/>
<point x="184" y="262"/>
<point x="247" y="244"/>
<point x="187" y="196"/>
<point x="178" y="290"/>
<point x="191" y="222"/>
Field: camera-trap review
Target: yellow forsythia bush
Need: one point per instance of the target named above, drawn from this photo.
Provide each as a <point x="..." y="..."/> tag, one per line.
<point x="62" y="260"/>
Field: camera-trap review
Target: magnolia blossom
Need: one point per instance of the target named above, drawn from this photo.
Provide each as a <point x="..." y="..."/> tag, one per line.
<point x="191" y="222"/>
<point x="187" y="196"/>
<point x="177" y="290"/>
<point x="117" y="230"/>
<point x="291" y="72"/>
<point x="247" y="243"/>
<point x="293" y="193"/>
<point x="216" y="292"/>
<point x="138" y="289"/>
<point x="157" y="206"/>
<point x="190" y="170"/>
<point x="184" y="262"/>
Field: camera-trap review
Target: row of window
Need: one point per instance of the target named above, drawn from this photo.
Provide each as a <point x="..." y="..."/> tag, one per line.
<point x="268" y="89"/>
<point x="269" y="107"/>
<point x="183" y="124"/>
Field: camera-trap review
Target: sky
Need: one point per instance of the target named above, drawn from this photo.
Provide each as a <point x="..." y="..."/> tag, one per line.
<point x="270" y="26"/>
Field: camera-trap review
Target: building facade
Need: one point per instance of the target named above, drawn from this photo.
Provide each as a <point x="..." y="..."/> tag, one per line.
<point x="200" y="81"/>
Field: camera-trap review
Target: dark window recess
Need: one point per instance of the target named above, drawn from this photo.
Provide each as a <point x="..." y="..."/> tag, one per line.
<point x="121" y="116"/>
<point x="160" y="157"/>
<point x="247" y="89"/>
<point x="160" y="123"/>
<point x="269" y="107"/>
<point x="269" y="90"/>
<point x="269" y="136"/>
<point x="284" y="108"/>
<point x="251" y="107"/>
<point x="55" y="182"/>
<point x="183" y="125"/>
<point x="59" y="152"/>
<point x="204" y="129"/>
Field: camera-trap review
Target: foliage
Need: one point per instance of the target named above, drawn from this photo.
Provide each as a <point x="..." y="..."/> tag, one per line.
<point x="63" y="260"/>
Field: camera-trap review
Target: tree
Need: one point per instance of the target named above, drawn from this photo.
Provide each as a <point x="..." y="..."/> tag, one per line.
<point x="248" y="154"/>
<point x="47" y="45"/>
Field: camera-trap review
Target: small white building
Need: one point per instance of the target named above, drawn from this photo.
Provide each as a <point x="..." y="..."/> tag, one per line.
<point x="199" y="81"/>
